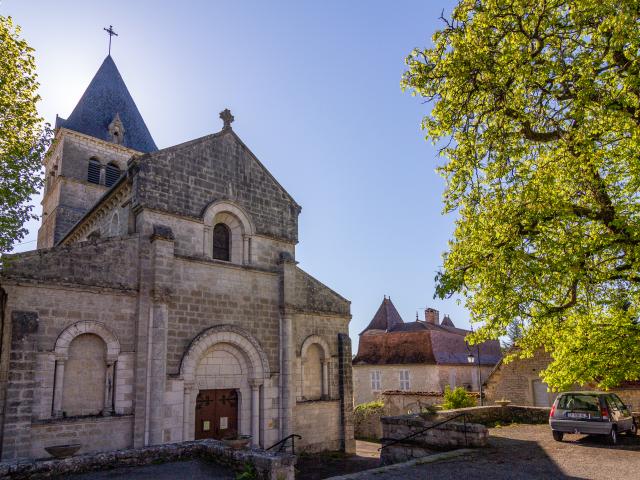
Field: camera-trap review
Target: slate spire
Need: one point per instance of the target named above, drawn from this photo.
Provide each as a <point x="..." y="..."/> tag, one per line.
<point x="105" y="98"/>
<point x="386" y="318"/>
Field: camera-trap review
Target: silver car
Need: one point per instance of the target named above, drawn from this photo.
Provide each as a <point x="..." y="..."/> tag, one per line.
<point x="591" y="413"/>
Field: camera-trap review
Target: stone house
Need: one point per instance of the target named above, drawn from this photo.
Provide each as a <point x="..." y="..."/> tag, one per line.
<point x="164" y="302"/>
<point x="520" y="382"/>
<point x="421" y="356"/>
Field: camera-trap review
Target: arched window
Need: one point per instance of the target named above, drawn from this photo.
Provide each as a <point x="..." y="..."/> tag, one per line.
<point x="312" y="373"/>
<point x="221" y="242"/>
<point x="112" y="174"/>
<point x="93" y="174"/>
<point x="84" y="376"/>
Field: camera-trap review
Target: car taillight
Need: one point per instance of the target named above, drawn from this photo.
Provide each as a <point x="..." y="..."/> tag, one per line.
<point x="604" y="413"/>
<point x="553" y="410"/>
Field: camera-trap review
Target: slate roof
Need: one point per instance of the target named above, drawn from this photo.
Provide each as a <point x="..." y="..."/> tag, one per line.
<point x="388" y="340"/>
<point x="386" y="318"/>
<point x="106" y="96"/>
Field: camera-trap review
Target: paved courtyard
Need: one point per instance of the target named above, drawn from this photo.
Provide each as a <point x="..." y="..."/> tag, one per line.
<point x="529" y="452"/>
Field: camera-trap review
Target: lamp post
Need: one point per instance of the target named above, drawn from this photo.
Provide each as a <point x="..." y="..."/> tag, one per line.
<point x="472" y="359"/>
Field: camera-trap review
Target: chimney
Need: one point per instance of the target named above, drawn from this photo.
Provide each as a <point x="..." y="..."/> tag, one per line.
<point x="431" y="315"/>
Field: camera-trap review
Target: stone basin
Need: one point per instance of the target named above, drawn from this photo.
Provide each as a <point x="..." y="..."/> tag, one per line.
<point x="237" y="443"/>
<point x="63" y="451"/>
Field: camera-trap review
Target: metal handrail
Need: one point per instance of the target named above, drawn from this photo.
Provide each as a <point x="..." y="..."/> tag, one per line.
<point x="283" y="442"/>
<point x="420" y="432"/>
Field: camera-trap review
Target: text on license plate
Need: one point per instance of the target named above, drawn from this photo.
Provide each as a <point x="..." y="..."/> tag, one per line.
<point x="577" y="415"/>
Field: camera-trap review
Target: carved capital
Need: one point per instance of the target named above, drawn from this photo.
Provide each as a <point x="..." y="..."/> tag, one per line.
<point x="255" y="382"/>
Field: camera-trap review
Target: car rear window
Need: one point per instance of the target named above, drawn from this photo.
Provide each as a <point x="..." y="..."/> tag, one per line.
<point x="588" y="403"/>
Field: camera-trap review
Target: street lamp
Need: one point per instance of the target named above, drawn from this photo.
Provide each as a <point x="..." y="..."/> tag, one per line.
<point x="472" y="359"/>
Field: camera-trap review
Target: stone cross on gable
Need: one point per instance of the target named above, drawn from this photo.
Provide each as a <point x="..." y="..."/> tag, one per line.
<point x="227" y="118"/>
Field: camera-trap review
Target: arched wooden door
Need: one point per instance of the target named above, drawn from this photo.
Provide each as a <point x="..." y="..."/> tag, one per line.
<point x="216" y="414"/>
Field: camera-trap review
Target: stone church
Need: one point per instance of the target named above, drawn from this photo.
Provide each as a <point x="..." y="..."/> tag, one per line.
<point x="164" y="302"/>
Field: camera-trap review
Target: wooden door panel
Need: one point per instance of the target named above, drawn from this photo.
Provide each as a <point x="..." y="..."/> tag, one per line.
<point x="216" y="414"/>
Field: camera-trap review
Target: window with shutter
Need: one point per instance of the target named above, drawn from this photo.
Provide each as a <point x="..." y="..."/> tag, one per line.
<point x="404" y="380"/>
<point x="93" y="174"/>
<point x="112" y="174"/>
<point x="375" y="381"/>
<point x="221" y="242"/>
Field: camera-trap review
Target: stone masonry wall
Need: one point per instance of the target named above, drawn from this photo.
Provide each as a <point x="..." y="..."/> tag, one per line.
<point x="514" y="381"/>
<point x="208" y="294"/>
<point x="104" y="263"/>
<point x="95" y="434"/>
<point x="450" y="435"/>
<point x="318" y="424"/>
<point x="313" y="296"/>
<point x="74" y="195"/>
<point x="186" y="178"/>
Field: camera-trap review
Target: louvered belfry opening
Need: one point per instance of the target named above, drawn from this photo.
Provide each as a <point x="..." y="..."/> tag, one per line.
<point x="112" y="174"/>
<point x="221" y="242"/>
<point x="93" y="173"/>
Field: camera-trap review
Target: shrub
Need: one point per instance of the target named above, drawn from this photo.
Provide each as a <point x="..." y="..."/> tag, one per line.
<point x="366" y="409"/>
<point x="457" y="398"/>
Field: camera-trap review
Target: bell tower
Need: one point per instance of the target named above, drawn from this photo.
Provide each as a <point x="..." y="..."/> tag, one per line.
<point x="90" y="152"/>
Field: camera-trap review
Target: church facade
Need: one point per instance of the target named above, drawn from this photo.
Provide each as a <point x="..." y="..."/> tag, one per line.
<point x="164" y="302"/>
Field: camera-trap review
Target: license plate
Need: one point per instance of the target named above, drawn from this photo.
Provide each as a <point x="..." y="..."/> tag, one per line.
<point x="577" y="415"/>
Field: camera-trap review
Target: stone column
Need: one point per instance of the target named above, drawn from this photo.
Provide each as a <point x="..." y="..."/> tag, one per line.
<point x="207" y="242"/>
<point x="345" y="389"/>
<point x="287" y="391"/>
<point x="246" y="245"/>
<point x="20" y="389"/>
<point x="162" y="282"/>
<point x="108" y="389"/>
<point x="103" y="174"/>
<point x="325" y="379"/>
<point x="287" y="350"/>
<point x="57" y="389"/>
<point x="186" y="412"/>
<point x="255" y="411"/>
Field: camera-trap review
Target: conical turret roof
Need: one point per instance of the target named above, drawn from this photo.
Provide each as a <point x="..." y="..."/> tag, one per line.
<point x="386" y="318"/>
<point x="105" y="97"/>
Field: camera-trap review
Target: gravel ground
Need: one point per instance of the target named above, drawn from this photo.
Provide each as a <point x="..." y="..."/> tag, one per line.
<point x="529" y="452"/>
<point x="192" y="470"/>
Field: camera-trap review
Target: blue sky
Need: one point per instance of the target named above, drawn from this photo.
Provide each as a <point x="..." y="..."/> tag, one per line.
<point x="314" y="87"/>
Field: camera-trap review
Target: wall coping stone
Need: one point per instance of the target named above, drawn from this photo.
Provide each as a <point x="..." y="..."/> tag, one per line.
<point x="268" y="465"/>
<point x="82" y="419"/>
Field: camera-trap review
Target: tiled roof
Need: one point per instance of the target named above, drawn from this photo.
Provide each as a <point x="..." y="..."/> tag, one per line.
<point x="389" y="340"/>
<point x="105" y="97"/>
<point x="395" y="348"/>
<point x="386" y="318"/>
<point x="409" y="327"/>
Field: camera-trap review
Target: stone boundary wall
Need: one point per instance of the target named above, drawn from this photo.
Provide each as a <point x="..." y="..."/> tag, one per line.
<point x="397" y="402"/>
<point x="448" y="436"/>
<point x="268" y="465"/>
<point x="495" y="413"/>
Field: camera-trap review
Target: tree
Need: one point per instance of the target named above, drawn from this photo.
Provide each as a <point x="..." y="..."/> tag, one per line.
<point x="514" y="333"/>
<point x="536" y="108"/>
<point x="23" y="137"/>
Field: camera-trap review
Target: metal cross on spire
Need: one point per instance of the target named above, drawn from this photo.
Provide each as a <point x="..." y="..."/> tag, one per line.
<point x="111" y="33"/>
